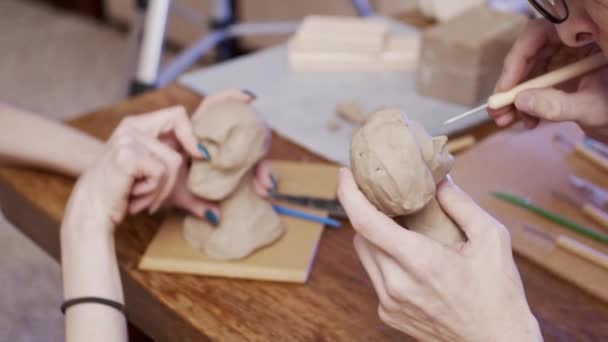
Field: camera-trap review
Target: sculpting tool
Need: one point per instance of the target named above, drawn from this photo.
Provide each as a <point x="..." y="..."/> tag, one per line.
<point x="596" y="194"/>
<point x="597" y="146"/>
<point x="588" y="209"/>
<point x="465" y="114"/>
<point x="555" y="218"/>
<point x="549" y="79"/>
<point x="306" y="216"/>
<point x="332" y="206"/>
<point x="584" y="151"/>
<point x="572" y="246"/>
<point x="460" y="144"/>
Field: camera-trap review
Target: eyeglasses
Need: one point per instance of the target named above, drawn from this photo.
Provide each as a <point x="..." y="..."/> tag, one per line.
<point x="556" y="11"/>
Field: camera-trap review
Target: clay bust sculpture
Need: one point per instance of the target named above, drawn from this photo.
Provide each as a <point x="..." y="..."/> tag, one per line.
<point x="236" y="140"/>
<point x="397" y="165"/>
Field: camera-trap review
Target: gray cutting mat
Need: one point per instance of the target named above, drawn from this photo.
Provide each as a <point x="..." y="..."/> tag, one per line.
<point x="298" y="105"/>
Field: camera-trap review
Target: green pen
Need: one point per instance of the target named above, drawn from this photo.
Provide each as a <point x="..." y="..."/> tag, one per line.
<point x="560" y="220"/>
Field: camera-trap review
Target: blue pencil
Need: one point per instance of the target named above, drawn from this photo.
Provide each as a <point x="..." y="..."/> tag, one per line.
<point x="306" y="216"/>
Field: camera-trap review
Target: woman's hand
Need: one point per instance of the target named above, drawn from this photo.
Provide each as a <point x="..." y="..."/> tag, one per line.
<point x="137" y="170"/>
<point x="141" y="167"/>
<point x="181" y="197"/>
<point x="537" y="51"/>
<point x="469" y="292"/>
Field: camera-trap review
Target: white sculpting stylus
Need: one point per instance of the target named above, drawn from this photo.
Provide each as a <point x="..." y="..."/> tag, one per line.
<point x="549" y="79"/>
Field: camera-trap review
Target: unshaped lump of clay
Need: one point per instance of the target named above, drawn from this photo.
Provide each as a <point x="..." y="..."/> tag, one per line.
<point x="396" y="163"/>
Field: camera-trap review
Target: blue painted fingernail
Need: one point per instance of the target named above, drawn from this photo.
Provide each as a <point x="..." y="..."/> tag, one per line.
<point x="211" y="217"/>
<point x="250" y="93"/>
<point x="204" y="151"/>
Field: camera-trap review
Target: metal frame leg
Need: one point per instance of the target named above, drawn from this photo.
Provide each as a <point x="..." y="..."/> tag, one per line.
<point x="151" y="48"/>
<point x="363" y="7"/>
<point x="223" y="33"/>
<point x="135" y="33"/>
<point x="224" y="17"/>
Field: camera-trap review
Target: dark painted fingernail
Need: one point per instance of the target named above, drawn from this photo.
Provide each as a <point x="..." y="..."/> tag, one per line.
<point x="250" y="93"/>
<point x="204" y="151"/>
<point x="211" y="217"/>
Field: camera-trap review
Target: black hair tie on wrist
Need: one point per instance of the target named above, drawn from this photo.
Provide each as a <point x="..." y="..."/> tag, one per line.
<point x="97" y="300"/>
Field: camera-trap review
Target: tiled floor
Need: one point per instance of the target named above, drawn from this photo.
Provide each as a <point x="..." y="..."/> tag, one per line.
<point x="57" y="65"/>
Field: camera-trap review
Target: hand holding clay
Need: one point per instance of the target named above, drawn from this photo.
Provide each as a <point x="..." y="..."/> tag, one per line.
<point x="137" y="170"/>
<point x="234" y="140"/>
<point x="396" y="165"/>
<point x="466" y="292"/>
<point x="539" y="50"/>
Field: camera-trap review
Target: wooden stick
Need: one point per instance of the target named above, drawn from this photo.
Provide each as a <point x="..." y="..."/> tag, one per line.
<point x="549" y="79"/>
<point x="596" y="214"/>
<point x="589" y="154"/>
<point x="588" y="209"/>
<point x="461" y="143"/>
<point x="580" y="249"/>
<point x="572" y="246"/>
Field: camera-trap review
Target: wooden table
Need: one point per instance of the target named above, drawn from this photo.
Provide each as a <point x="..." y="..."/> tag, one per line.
<point x="338" y="303"/>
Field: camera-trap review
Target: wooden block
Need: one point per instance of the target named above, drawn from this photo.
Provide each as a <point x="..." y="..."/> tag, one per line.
<point x="402" y="48"/>
<point x="328" y="62"/>
<point x="330" y="33"/>
<point x="400" y="53"/>
<point x="288" y="260"/>
<point x="329" y="43"/>
<point x="443" y="10"/>
<point x="461" y="59"/>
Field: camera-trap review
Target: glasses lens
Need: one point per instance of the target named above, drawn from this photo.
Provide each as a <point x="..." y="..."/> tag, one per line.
<point x="555" y="8"/>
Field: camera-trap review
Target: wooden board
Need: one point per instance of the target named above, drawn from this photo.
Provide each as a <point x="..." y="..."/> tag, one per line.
<point x="289" y="259"/>
<point x="331" y="43"/>
<point x="328" y="33"/>
<point x="530" y="164"/>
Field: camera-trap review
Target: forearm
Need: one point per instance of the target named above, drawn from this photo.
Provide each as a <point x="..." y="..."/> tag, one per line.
<point x="27" y="139"/>
<point x="90" y="268"/>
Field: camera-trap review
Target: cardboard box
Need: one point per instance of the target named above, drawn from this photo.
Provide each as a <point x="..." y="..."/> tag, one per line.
<point x="461" y="59"/>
